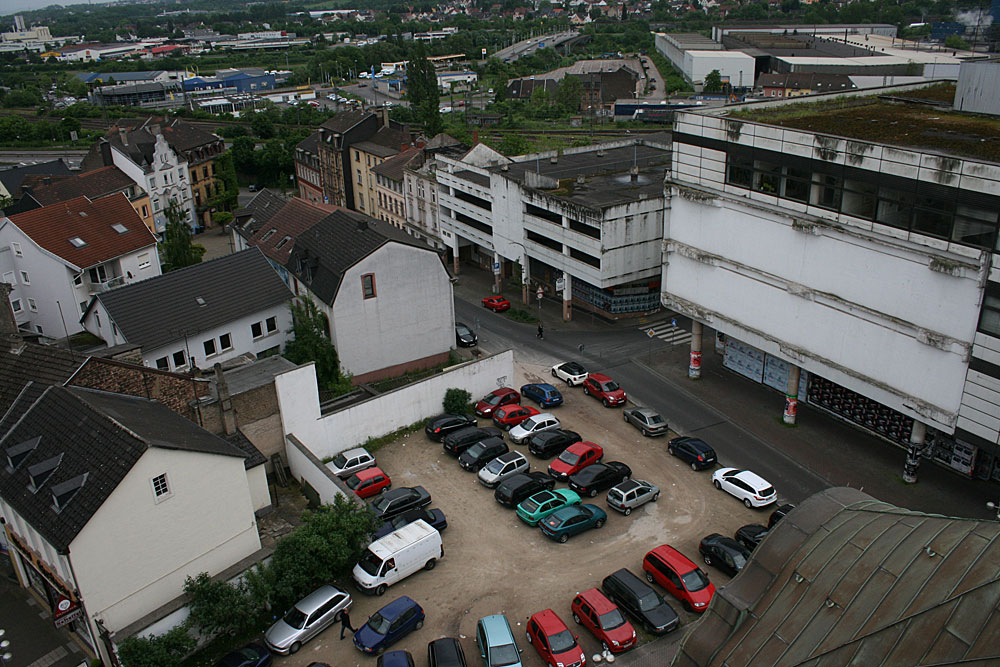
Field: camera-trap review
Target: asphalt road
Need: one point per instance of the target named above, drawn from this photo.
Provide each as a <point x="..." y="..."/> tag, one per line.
<point x="528" y="46"/>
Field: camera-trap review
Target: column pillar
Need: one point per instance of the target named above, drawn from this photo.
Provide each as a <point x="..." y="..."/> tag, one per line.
<point x="525" y="279"/>
<point x="454" y="254"/>
<point x="914" y="452"/>
<point x="567" y="297"/>
<point x="497" y="278"/>
<point x="792" y="394"/>
<point x="694" y="364"/>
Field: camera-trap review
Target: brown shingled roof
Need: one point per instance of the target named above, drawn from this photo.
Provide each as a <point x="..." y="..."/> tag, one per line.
<point x="92" y="184"/>
<point x="276" y="237"/>
<point x="394" y="166"/>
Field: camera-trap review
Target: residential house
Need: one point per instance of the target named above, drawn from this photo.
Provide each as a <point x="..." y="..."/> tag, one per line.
<point x="365" y="155"/>
<point x="794" y="84"/>
<point x="11" y="179"/>
<point x="336" y="136"/>
<point x="522" y="89"/>
<point x="57" y="257"/>
<point x="308" y="174"/>
<point x="420" y="189"/>
<point x="194" y="317"/>
<point x="390" y="201"/>
<point x="387" y="297"/>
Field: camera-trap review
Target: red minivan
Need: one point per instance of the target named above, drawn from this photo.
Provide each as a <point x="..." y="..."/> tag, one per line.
<point x="604" y="619"/>
<point x="553" y="640"/>
<point x="683" y="579"/>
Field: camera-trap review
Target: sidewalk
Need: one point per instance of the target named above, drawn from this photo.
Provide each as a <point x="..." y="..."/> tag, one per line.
<point x="34" y="640"/>
<point x="838" y="451"/>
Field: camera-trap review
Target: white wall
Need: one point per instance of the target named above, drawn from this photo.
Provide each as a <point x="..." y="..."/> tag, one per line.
<point x="260" y="494"/>
<point x="736" y="65"/>
<point x="298" y="403"/>
<point x="308" y="469"/>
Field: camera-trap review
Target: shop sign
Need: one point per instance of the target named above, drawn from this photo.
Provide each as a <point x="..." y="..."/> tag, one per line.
<point x="66" y="611"/>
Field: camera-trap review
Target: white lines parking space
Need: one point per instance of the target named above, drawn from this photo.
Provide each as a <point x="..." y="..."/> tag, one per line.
<point x="666" y="331"/>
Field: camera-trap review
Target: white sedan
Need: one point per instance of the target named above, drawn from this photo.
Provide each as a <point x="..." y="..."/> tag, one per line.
<point x="752" y="489"/>
<point x="570" y="372"/>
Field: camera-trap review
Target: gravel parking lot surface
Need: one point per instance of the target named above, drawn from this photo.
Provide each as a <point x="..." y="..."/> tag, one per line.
<point x="494" y="563"/>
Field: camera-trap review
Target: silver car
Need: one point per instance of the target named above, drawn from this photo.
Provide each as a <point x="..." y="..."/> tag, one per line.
<point x="632" y="493"/>
<point x="347" y="463"/>
<point x="501" y="468"/>
<point x="647" y="420"/>
<point x="543" y="421"/>
<point x="310" y="616"/>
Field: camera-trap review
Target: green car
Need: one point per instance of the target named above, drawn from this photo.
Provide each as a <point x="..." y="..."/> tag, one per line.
<point x="544" y="503"/>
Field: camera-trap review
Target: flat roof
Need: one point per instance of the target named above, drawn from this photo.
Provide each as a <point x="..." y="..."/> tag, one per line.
<point x="688" y="40"/>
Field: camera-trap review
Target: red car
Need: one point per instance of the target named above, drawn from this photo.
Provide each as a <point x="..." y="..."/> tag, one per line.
<point x="604" y="389"/>
<point x="683" y="579"/>
<point x="369" y="482"/>
<point x="497" y="304"/>
<point x="575" y="458"/>
<point x="604" y="619"/>
<point x="509" y="416"/>
<point x="553" y="640"/>
<point x="493" y="400"/>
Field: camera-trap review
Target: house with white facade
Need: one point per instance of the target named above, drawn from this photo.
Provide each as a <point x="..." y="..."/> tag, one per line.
<point x="200" y="315"/>
<point x="420" y="189"/>
<point x="387" y="297"/>
<point x="58" y="257"/>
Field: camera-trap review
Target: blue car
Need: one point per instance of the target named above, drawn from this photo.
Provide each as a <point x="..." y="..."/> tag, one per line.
<point x="395" y="659"/>
<point x="543" y="393"/>
<point x="388" y="625"/>
<point x="568" y="521"/>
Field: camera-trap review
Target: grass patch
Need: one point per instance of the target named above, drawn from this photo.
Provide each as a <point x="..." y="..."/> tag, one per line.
<point x="84" y="339"/>
<point x="522" y="315"/>
<point x="374" y="444"/>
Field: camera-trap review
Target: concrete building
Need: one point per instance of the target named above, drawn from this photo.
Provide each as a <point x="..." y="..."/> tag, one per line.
<point x="977" y="83"/>
<point x="735" y="67"/>
<point x="420" y="190"/>
<point x="22" y="38"/>
<point x="456" y="81"/>
<point x="848" y="257"/>
<point x="389" y="197"/>
<point x="308" y="174"/>
<point x="795" y="85"/>
<point x="387" y="142"/>
<point x="336" y="136"/>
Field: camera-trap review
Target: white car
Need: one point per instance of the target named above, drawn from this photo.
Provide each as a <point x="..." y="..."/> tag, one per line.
<point x="543" y="421"/>
<point x="501" y="468"/>
<point x="570" y="372"/>
<point x="347" y="463"/>
<point x="751" y="488"/>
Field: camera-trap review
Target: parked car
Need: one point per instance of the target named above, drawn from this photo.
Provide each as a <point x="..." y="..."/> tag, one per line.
<point x="306" y="619"/>
<point x="493" y="400"/>
<point x="351" y="461"/>
<point x="464" y="336"/>
<point x="458" y="441"/>
<point x="575" y="458"/>
<point x="778" y="514"/>
<point x="433" y="517"/>
<point x="509" y="416"/>
<point x="393" y="503"/>
<point x="251" y="655"/>
<point x="632" y="493"/>
<point x="752" y="489"/>
<point x="440" y="426"/>
<point x="593" y="610"/>
<point x="570" y="372"/>
<point x="552" y="639"/>
<point x="516" y="488"/>
<point x="368" y="482"/>
<point x="543" y="393"/>
<point x="693" y="451"/>
<point x="647" y="420"/>
<point x="389" y="624"/>
<point x="751" y="535"/>
<point x="390" y="559"/>
<point x="253" y="187"/>
<point x="604" y="389"/>
<point x="395" y="659"/>
<point x="543" y="421"/>
<point x="445" y="652"/>
<point x="497" y="304"/>
<point x="679" y="576"/>
<point x="640" y="601"/>
<point x="547" y="444"/>
<point x="724" y="553"/>
<point x="502" y="467"/>
<point x="496" y="642"/>
<point x="544" y="503"/>
<point x="481" y="453"/>
<point x="566" y="522"/>
<point x="599" y="476"/>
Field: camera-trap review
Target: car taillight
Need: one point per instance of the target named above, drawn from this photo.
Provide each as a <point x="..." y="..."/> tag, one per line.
<point x="437" y="430"/>
<point x="700" y="458"/>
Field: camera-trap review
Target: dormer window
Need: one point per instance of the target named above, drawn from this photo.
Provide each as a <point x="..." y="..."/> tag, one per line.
<point x="40" y="472"/>
<point x="268" y="234"/>
<point x="16" y="454"/>
<point x="64" y="492"/>
<point x="282" y="242"/>
<point x="77" y="242"/>
<point x="119" y="227"/>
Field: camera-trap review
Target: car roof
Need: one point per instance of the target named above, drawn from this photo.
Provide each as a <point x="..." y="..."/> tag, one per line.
<point x="751" y="478"/>
<point x="598" y="600"/>
<point x="674" y="558"/>
<point x="368" y="473"/>
<point x="574" y="363"/>
<point x="357" y="451"/>
<point x="317" y="598"/>
<point x="544" y="415"/>
<point x="397" y="607"/>
<point x="513" y="455"/>
<point x="496" y="624"/>
<point x="502" y="391"/>
<point x="582" y="445"/>
<point x="599" y="377"/>
<point x="549" y="621"/>
<point x="627" y="485"/>
<point x="649" y="412"/>
<point x="697" y="443"/>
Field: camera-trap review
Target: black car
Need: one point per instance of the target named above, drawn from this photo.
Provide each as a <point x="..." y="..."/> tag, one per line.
<point x="457" y="442"/>
<point x="445" y="652"/>
<point x="724" y="553"/>
<point x="599" y="476"/>
<point x="392" y="503"/>
<point x="778" y="514"/>
<point x="464" y="336"/>
<point x="751" y="535"/>
<point x="481" y="453"/>
<point x="547" y="444"/>
<point x="440" y="426"/>
<point x="251" y="655"/>
<point x="518" y="487"/>
<point x="434" y="517"/>
<point x="640" y="601"/>
<point x="693" y="451"/>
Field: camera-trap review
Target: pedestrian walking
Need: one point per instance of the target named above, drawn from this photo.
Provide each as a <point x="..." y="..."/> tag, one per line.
<point x="541" y="333"/>
<point x="345" y="624"/>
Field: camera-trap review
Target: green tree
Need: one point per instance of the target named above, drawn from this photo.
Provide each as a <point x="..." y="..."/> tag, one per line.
<point x="218" y="607"/>
<point x="166" y="650"/>
<point x="955" y="42"/>
<point x="225" y="198"/>
<point x="178" y="250"/>
<point x="569" y="93"/>
<point x="312" y="343"/>
<point x="713" y="82"/>
<point x="262" y="126"/>
<point x="457" y="401"/>
<point x="514" y="144"/>
<point x="242" y="151"/>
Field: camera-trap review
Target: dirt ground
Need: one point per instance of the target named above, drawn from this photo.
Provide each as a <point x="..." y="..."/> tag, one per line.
<point x="494" y="563"/>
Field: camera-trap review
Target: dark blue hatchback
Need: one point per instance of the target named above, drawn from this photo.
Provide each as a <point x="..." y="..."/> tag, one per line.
<point x="389" y="624"/>
<point x="543" y="393"/>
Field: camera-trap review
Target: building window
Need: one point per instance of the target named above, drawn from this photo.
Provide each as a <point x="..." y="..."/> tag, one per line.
<point x="144" y="260"/>
<point x="162" y="364"/>
<point x="32" y="306"/>
<point x="225" y="342"/>
<point x="209" y="347"/>
<point x="161" y="487"/>
<point x="180" y="360"/>
<point x="8" y="277"/>
<point x="17" y="249"/>
<point x="257" y="329"/>
<point x="83" y="307"/>
<point x="359" y="178"/>
<point x="272" y="324"/>
<point x="16" y="305"/>
<point x="368" y="285"/>
<point x="145" y="211"/>
<point x="24" y="278"/>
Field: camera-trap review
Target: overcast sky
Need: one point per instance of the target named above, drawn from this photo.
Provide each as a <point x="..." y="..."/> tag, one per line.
<point x="14" y="6"/>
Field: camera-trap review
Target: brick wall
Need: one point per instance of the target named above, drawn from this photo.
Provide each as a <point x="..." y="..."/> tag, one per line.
<point x="173" y="390"/>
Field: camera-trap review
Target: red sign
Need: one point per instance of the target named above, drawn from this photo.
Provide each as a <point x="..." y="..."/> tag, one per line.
<point x="66" y="611"/>
<point x="696" y="360"/>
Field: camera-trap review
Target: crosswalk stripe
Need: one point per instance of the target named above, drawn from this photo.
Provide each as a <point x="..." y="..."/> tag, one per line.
<point x="667" y="332"/>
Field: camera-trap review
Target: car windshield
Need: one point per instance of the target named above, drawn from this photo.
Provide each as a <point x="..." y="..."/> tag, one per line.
<point x="353" y="481"/>
<point x="529" y="506"/>
<point x="648" y="602"/>
<point x="738" y="559"/>
<point x="495" y="466"/>
<point x="611" y="385"/>
<point x="569" y="457"/>
<point x="295" y="619"/>
<point x="476" y="449"/>
<point x="695" y="580"/>
<point x="340" y="460"/>
<point x="561" y="642"/>
<point x="611" y="620"/>
<point x="463" y="331"/>
<point x="378" y="623"/>
<point x="383" y="503"/>
<point x="491" y="399"/>
<point x="370" y="563"/>
<point x="655" y="419"/>
<point x="528" y="424"/>
<point x="504" y="655"/>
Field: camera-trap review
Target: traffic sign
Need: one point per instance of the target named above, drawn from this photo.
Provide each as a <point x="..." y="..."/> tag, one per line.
<point x="560" y="284"/>
<point x="539" y="293"/>
<point x="496" y="268"/>
<point x="673" y="322"/>
<point x="650" y="332"/>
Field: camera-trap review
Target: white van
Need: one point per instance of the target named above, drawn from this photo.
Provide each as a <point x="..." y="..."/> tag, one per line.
<point x="396" y="556"/>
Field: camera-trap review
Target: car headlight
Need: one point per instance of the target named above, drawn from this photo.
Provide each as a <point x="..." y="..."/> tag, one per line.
<point x="615" y="643"/>
<point x="699" y="604"/>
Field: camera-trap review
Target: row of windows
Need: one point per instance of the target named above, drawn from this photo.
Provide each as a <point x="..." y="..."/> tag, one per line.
<point x="576" y="254"/>
<point x="17" y="306"/>
<point x="8" y="277"/>
<point x="214" y="346"/>
<point x="989" y="318"/>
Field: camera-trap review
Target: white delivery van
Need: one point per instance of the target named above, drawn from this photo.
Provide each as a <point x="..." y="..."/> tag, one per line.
<point x="396" y="556"/>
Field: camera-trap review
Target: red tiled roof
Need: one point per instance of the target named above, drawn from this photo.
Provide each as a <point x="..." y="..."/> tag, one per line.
<point x="52" y="227"/>
<point x="92" y="184"/>
<point x="295" y="217"/>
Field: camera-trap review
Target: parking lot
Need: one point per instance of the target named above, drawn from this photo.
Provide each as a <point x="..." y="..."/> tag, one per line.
<point x="494" y="563"/>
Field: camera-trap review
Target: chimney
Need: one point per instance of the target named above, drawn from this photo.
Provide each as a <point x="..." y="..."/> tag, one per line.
<point x="580" y="179"/>
<point x="105" y="149"/>
<point x="475" y="137"/>
<point x="362" y="225"/>
<point x="225" y="402"/>
<point x="9" y="333"/>
<point x="154" y="130"/>
<point x="634" y="174"/>
<point x="123" y="135"/>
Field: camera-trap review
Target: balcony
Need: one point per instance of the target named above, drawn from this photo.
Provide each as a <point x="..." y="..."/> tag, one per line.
<point x="111" y="283"/>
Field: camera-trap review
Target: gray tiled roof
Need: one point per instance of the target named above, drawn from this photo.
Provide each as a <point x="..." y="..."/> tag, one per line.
<point x="47" y="364"/>
<point x="258" y="211"/>
<point x="156" y="311"/>
<point x="345" y="120"/>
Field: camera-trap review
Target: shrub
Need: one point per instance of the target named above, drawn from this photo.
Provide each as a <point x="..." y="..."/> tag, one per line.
<point x="166" y="650"/>
<point x="522" y="315"/>
<point x="457" y="401"/>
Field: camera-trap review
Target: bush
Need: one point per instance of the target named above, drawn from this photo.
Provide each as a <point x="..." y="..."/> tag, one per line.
<point x="521" y="315"/>
<point x="218" y="607"/>
<point x="457" y="401"/>
<point x="166" y="650"/>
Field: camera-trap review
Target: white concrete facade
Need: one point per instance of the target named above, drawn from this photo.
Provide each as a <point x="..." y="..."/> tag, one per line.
<point x="420" y="190"/>
<point x="165" y="180"/>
